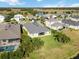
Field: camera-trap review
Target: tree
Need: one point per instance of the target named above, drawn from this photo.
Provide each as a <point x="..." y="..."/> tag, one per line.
<point x="28" y="45"/>
<point x="26" y="13"/>
<point x="60" y="37"/>
<point x="4" y="56"/>
<point x="42" y="20"/>
<point x="55" y="12"/>
<point x="68" y="12"/>
<point x="8" y="17"/>
<point x="37" y="43"/>
<point x="31" y="11"/>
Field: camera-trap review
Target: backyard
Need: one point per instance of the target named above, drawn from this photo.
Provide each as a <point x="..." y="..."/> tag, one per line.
<point x="46" y="47"/>
<point x="56" y="50"/>
<point x="51" y="49"/>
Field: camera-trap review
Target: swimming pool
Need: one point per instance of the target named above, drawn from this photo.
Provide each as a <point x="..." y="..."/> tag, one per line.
<point x="7" y="48"/>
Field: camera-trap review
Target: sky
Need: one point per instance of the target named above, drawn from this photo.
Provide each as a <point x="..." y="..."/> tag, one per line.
<point x="39" y="3"/>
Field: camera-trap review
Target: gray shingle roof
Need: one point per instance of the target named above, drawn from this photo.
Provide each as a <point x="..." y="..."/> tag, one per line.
<point x="57" y="24"/>
<point x="9" y="31"/>
<point x="70" y="22"/>
<point x="35" y="28"/>
<point x="39" y="14"/>
<point x="76" y="17"/>
<point x="52" y="20"/>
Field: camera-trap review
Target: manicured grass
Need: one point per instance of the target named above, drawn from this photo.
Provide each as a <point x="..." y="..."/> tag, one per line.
<point x="55" y="50"/>
<point x="49" y="42"/>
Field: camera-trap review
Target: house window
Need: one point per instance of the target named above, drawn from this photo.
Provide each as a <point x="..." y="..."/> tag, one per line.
<point x="11" y="40"/>
<point x="42" y="33"/>
<point x="4" y="40"/>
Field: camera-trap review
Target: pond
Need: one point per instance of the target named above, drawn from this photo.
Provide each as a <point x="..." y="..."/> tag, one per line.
<point x="76" y="57"/>
<point x="7" y="48"/>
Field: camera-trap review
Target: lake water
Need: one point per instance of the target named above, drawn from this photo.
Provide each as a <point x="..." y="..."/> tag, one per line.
<point x="76" y="57"/>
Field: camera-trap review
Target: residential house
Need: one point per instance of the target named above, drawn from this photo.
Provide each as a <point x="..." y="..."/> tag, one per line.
<point x="2" y="18"/>
<point x="35" y="29"/>
<point x="46" y="16"/>
<point x="49" y="16"/>
<point x="10" y="36"/>
<point x="30" y="17"/>
<point x="71" y="24"/>
<point x="18" y="17"/>
<point x="74" y="18"/>
<point x="39" y="15"/>
<point x="53" y="23"/>
<point x="50" y="21"/>
<point x="56" y="26"/>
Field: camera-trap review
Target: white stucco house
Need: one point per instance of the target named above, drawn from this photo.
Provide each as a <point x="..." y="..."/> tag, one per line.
<point x="56" y="26"/>
<point x="53" y="16"/>
<point x="2" y="18"/>
<point x="49" y="16"/>
<point x="50" y="21"/>
<point x="18" y="17"/>
<point x="74" y="18"/>
<point x="71" y="24"/>
<point x="53" y="24"/>
<point x="39" y="15"/>
<point x="36" y="30"/>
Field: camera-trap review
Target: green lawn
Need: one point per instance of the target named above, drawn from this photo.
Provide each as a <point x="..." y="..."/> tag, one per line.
<point x="54" y="50"/>
<point x="49" y="42"/>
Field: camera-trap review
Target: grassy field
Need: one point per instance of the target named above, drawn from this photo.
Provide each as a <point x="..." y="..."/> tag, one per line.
<point x="55" y="50"/>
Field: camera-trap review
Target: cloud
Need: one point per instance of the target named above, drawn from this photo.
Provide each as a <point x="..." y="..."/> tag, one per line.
<point x="11" y="2"/>
<point x="39" y="0"/>
<point x="61" y="3"/>
<point x="75" y="5"/>
<point x="54" y="6"/>
<point x="50" y="6"/>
